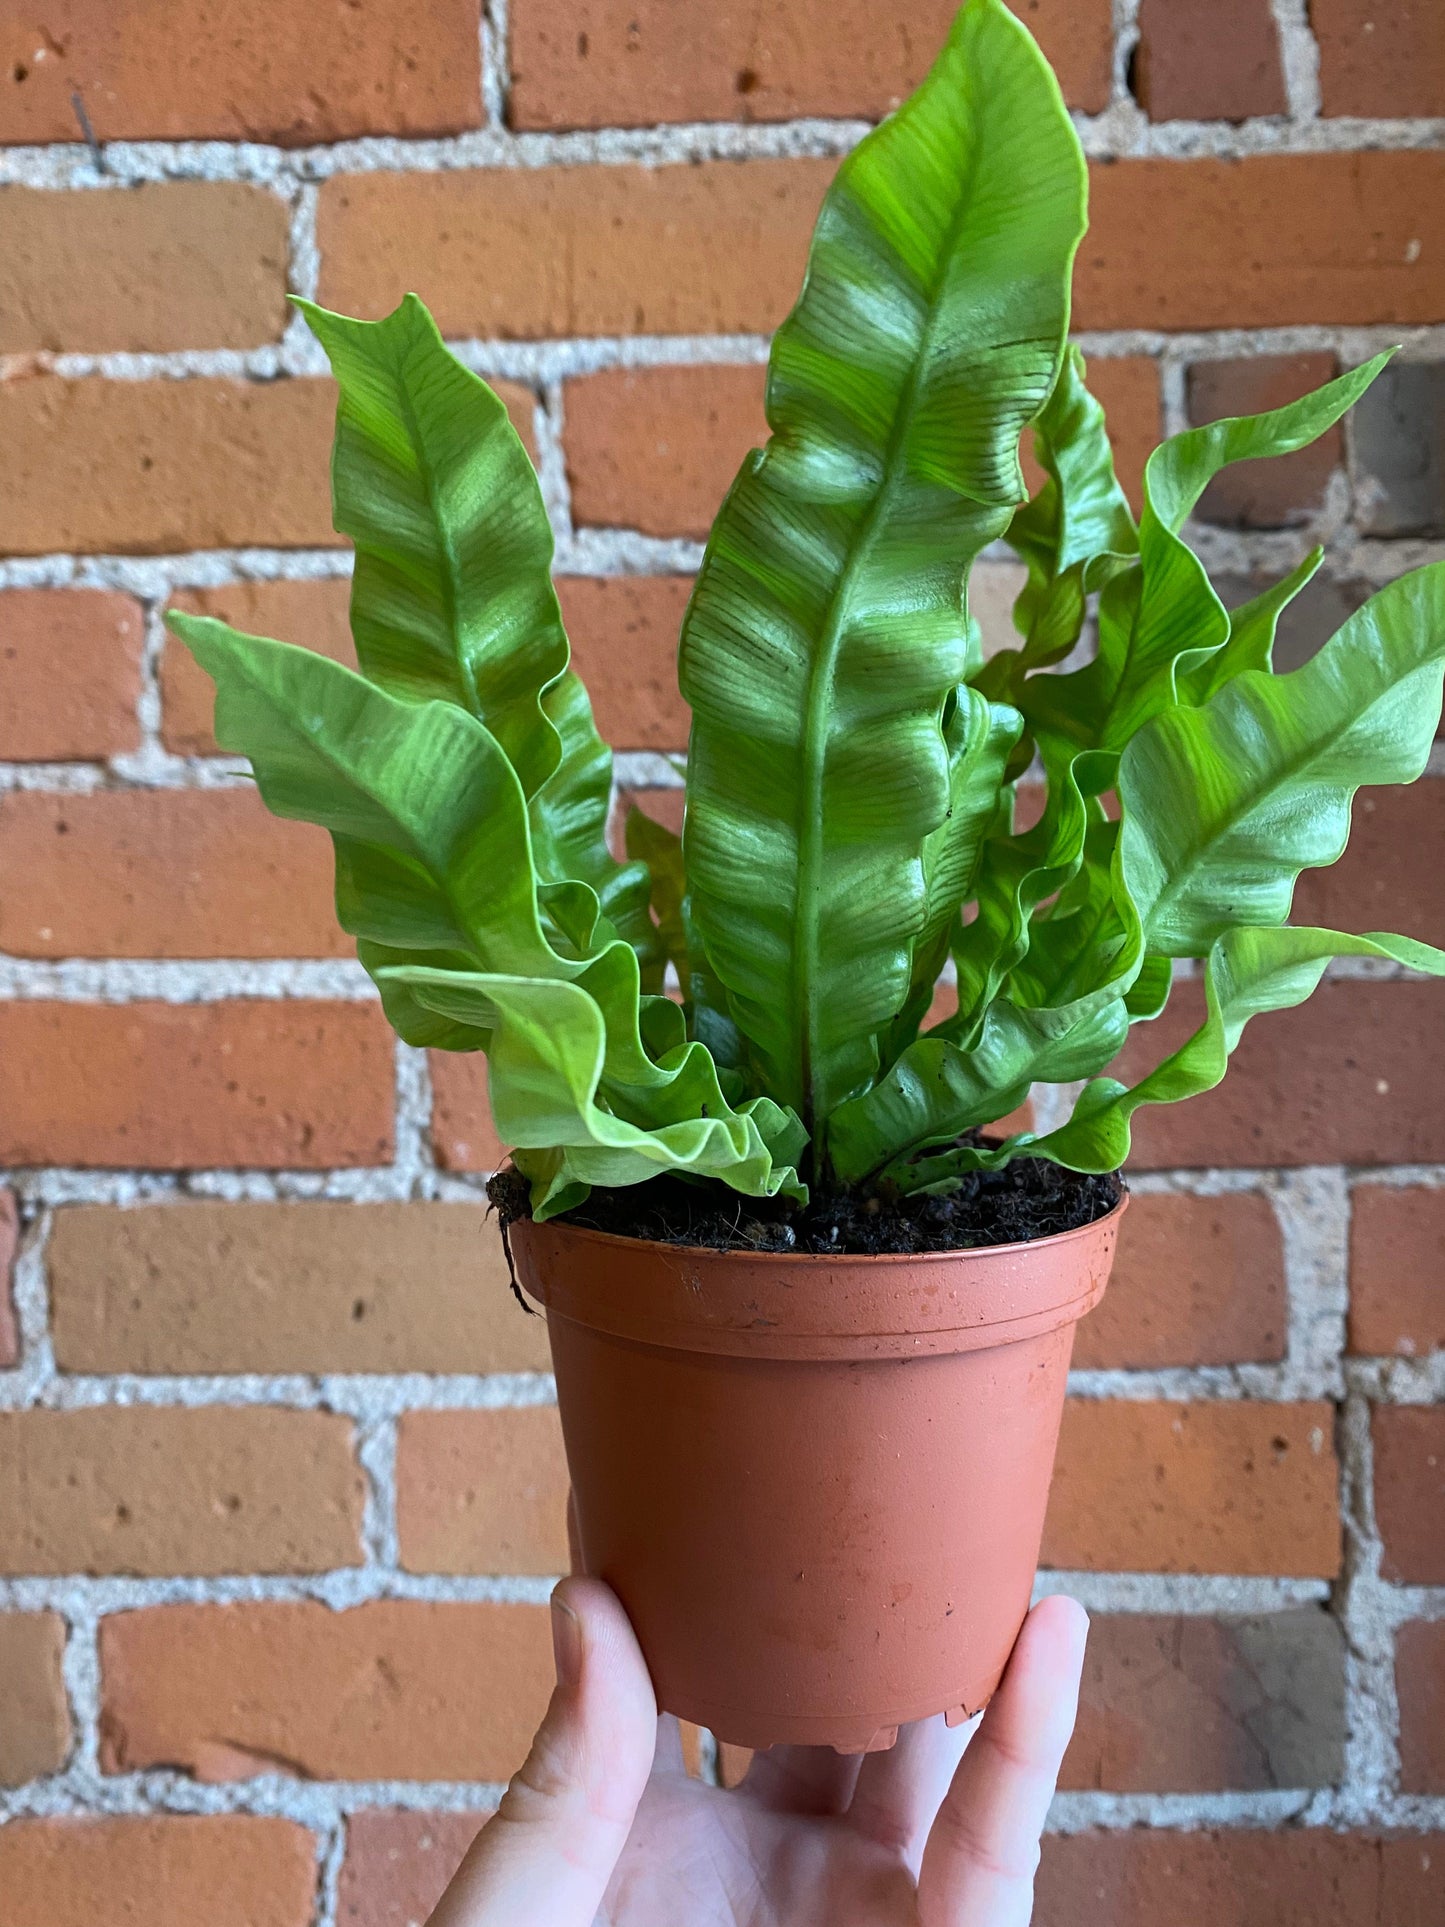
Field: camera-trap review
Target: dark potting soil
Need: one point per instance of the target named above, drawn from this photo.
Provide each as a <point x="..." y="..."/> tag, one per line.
<point x="1029" y="1198"/>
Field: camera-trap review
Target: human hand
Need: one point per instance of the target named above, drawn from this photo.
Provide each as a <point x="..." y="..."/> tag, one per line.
<point x="602" y="1827"/>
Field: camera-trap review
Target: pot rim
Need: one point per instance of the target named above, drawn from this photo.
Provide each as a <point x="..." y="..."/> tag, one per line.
<point x="809" y="1305"/>
<point x="733" y="1253"/>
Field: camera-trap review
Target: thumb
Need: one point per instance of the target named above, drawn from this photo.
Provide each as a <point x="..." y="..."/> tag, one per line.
<point x="549" y="1851"/>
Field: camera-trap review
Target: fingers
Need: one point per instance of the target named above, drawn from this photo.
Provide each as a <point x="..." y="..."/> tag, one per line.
<point x="899" y="1792"/>
<point x="802" y="1779"/>
<point x="979" y="1864"/>
<point x="549" y="1852"/>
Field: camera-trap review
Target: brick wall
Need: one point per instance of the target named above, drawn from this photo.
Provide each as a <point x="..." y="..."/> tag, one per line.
<point x="280" y="1483"/>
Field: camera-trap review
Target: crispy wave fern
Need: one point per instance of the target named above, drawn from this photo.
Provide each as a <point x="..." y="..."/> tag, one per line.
<point x="850" y="832"/>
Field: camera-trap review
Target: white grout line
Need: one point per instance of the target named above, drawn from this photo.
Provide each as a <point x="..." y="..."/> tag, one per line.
<point x="1239" y="1812"/>
<point x="1121" y="132"/>
<point x="304" y="266"/>
<point x="324" y="1806"/>
<point x="627" y="552"/>
<point x="1126" y="41"/>
<point x="1212" y="1594"/>
<point x="370" y="1398"/>
<point x="1151" y="1594"/>
<point x="189" y="981"/>
<point x="81" y="1674"/>
<point x="298" y="354"/>
<point x="1300" y="58"/>
<point x="376" y="1453"/>
<point x="199" y="980"/>
<point x="330" y="1858"/>
<point x="366" y="1184"/>
<point x="496" y="62"/>
<point x="414" y="1156"/>
<point x="338" y="1590"/>
<point x="549" y="421"/>
<point x="31" y="1297"/>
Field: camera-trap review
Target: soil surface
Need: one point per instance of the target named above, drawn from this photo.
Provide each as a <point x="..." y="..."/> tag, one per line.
<point x="1029" y="1198"/>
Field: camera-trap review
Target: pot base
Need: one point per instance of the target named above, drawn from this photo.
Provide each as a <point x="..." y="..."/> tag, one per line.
<point x="759" y="1731"/>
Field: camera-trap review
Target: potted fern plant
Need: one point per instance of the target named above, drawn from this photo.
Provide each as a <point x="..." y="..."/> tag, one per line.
<point x="811" y="1325"/>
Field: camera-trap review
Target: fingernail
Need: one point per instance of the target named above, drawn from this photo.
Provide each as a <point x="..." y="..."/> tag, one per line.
<point x="566" y="1643"/>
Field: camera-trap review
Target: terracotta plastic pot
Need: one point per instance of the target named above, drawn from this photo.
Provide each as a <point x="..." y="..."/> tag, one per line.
<point x="817" y="1484"/>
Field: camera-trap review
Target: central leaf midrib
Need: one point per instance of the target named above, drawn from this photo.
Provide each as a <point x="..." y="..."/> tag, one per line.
<point x="449" y="573"/>
<point x="820" y="692"/>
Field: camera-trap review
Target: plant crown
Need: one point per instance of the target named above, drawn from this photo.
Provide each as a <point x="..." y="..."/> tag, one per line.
<point x="852" y="771"/>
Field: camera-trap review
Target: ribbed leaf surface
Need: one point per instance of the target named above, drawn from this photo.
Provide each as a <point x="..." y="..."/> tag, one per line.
<point x="452" y="597"/>
<point x="828" y="628"/>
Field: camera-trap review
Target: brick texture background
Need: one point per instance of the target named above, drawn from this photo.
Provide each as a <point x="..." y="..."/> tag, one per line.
<point x="280" y="1477"/>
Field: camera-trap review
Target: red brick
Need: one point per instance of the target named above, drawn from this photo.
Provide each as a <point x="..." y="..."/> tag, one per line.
<point x="253" y="1083"/>
<point x="1264" y="242"/>
<point x="1397" y="1260"/>
<point x="319" y="1286"/>
<point x="9" y="1240"/>
<point x="158" y="467"/>
<point x="170" y="264"/>
<point x="1420" y="1683"/>
<point x="1287" y="489"/>
<point x="1299" y="1877"/>
<point x="1398" y="449"/>
<point x="463" y="1134"/>
<point x="397" y="1689"/>
<point x="1389" y="877"/>
<point x="1128" y="388"/>
<point x="715" y="248"/>
<point x="608" y="63"/>
<point x="624" y="632"/>
<point x="228" y="1869"/>
<point x="1021" y="1118"/>
<point x="72" y="674"/>
<point x="163" y="873"/>
<point x="239" y="70"/>
<point x="944" y="1004"/>
<point x="398" y="1865"/>
<point x="315" y="614"/>
<point x="34" y="1711"/>
<point x="1197" y="1281"/>
<point x="718" y="247"/>
<point x="656" y="449"/>
<point x="1219" y="1486"/>
<point x="169" y="1489"/>
<point x="1381" y="58"/>
<point x="1208" y="60"/>
<point x="1348" y="1078"/>
<point x="482" y="1491"/>
<point x="1410" y="1491"/>
<point x="1174" y="1703"/>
